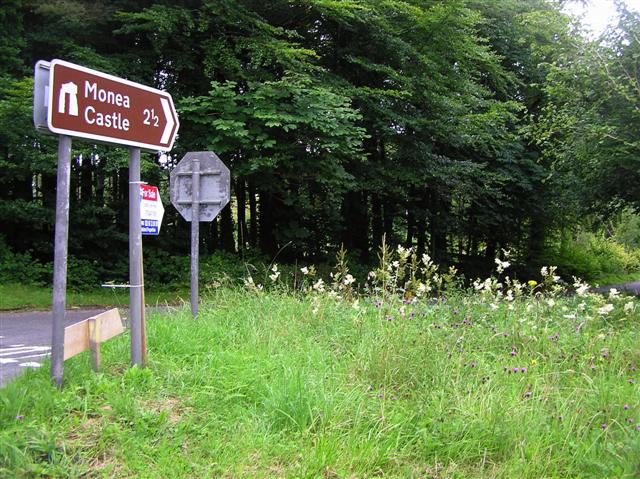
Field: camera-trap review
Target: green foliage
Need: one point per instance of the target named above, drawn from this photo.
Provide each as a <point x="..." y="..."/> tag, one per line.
<point x="593" y="257"/>
<point x="22" y="266"/>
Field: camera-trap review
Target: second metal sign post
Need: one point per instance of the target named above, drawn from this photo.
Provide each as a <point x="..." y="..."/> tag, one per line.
<point x="200" y="187"/>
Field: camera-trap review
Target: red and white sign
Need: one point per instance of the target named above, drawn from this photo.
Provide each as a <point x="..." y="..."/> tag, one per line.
<point x="151" y="210"/>
<point x="101" y="107"/>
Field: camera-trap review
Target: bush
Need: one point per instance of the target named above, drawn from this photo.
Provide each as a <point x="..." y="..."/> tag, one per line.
<point x="21" y="267"/>
<point x="592" y="256"/>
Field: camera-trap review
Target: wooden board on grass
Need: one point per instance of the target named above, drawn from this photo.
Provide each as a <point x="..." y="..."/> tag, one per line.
<point x="77" y="337"/>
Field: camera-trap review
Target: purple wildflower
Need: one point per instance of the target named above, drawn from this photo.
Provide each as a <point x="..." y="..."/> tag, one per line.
<point x="626" y="407"/>
<point x="630" y="381"/>
<point x="377" y="304"/>
<point x="515" y="370"/>
<point x="474" y="364"/>
<point x="389" y="318"/>
<point x="513" y="352"/>
<point x="603" y="426"/>
<point x="527" y="394"/>
<point x="19" y="417"/>
<point x="523" y="370"/>
<point x="630" y="421"/>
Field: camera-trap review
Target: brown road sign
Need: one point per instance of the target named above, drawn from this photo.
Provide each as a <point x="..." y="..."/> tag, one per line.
<point x="90" y="104"/>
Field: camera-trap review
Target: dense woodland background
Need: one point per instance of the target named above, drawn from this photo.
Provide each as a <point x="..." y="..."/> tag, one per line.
<point x="460" y="127"/>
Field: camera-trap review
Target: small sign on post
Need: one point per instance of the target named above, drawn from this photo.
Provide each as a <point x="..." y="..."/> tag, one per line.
<point x="200" y="187"/>
<point x="151" y="210"/>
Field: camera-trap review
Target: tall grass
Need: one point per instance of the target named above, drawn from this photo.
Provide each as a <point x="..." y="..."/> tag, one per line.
<point x="273" y="384"/>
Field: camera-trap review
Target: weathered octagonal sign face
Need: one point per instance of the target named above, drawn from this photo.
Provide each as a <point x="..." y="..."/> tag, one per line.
<point x="215" y="187"/>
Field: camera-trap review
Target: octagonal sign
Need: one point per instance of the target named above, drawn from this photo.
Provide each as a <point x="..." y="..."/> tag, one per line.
<point x="214" y="182"/>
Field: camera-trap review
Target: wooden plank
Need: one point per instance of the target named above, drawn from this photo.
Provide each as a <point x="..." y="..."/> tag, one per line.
<point x="77" y="337"/>
<point x="94" y="343"/>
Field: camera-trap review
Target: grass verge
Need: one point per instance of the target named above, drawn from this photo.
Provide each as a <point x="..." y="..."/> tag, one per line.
<point x="273" y="385"/>
<point x="19" y="296"/>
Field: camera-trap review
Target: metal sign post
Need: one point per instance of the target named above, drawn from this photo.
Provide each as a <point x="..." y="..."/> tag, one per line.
<point x="60" y="258"/>
<point x="72" y="100"/>
<point x="136" y="285"/>
<point x="195" y="233"/>
<point x="200" y="187"/>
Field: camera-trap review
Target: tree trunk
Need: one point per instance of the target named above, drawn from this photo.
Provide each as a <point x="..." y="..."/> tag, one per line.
<point x="267" y="223"/>
<point x="241" y="197"/>
<point x="388" y="215"/>
<point x="355" y="232"/>
<point x="410" y="227"/>
<point x="226" y="230"/>
<point x="376" y="221"/>
<point x="86" y="180"/>
<point x="253" y="216"/>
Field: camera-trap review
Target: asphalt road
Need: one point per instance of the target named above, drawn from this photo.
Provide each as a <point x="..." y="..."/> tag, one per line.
<point x="25" y="338"/>
<point x="630" y="288"/>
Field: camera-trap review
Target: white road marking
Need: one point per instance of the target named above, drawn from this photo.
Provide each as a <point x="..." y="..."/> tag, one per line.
<point x="8" y="361"/>
<point x="22" y="350"/>
<point x="30" y="364"/>
<point x="34" y="356"/>
<point x="16" y="345"/>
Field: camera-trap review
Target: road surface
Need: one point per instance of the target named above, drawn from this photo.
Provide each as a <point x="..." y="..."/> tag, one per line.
<point x="25" y="338"/>
<point x="630" y="288"/>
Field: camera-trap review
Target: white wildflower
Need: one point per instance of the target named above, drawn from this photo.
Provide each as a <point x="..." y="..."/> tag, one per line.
<point x="629" y="307"/>
<point x="502" y="265"/>
<point x="551" y="302"/>
<point x="371" y="275"/>
<point x="582" y="289"/>
<point x="606" y="309"/>
<point x="319" y="286"/>
<point x="544" y="271"/>
<point x="274" y="277"/>
<point x="348" y="279"/>
<point x="613" y="293"/>
<point x="494" y="306"/>
<point x="304" y="270"/>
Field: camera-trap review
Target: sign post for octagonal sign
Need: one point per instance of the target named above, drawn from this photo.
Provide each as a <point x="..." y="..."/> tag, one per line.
<point x="200" y="187"/>
<point x="74" y="101"/>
